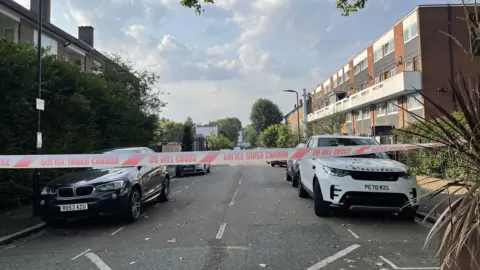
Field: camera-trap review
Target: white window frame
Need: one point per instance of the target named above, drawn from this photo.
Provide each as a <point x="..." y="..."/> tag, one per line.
<point x="377" y="80"/>
<point x="14" y="30"/>
<point x="393" y="104"/>
<point x="393" y="72"/>
<point x="357" y="69"/>
<point x="47" y="43"/>
<point x="377" y="55"/>
<point x="335" y="83"/>
<point x="348" y="117"/>
<point x="364" y="62"/>
<point x="340" y="79"/>
<point x="391" y="48"/>
<point x="380" y="112"/>
<point x="347" y="76"/>
<point x="366" y="115"/>
<point x="410" y="33"/>
<point x="359" y="115"/>
<point x="416" y="99"/>
<point x="409" y="62"/>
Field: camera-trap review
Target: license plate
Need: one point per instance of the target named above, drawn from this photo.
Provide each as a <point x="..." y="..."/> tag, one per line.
<point x="377" y="187"/>
<point x="73" y="207"/>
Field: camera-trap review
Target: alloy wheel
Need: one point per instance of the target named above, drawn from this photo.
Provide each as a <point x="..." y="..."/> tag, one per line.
<point x="136" y="204"/>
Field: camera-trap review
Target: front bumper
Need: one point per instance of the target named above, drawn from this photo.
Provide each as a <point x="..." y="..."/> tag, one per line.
<point x="190" y="169"/>
<point x="353" y="194"/>
<point x="99" y="204"/>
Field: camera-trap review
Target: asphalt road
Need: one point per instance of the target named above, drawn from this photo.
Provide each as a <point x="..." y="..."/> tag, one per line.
<point x="237" y="217"/>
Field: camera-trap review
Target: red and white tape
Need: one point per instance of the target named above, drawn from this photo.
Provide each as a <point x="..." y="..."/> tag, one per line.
<point x="203" y="157"/>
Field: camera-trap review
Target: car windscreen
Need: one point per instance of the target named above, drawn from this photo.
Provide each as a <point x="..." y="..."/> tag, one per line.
<point x="333" y="142"/>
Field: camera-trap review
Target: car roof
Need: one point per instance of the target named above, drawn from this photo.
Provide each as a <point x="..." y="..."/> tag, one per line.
<point x="342" y="136"/>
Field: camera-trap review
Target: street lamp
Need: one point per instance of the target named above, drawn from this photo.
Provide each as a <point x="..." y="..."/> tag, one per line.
<point x="298" y="113"/>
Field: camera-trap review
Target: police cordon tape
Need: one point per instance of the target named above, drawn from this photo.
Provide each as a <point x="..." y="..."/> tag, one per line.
<point x="199" y="157"/>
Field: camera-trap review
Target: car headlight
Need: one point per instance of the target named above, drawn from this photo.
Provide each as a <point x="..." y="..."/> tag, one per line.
<point x="335" y="172"/>
<point x="111" y="186"/>
<point x="407" y="175"/>
<point x="48" y="191"/>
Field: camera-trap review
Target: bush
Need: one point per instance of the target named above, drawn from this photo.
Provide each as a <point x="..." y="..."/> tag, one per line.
<point x="278" y="136"/>
<point x="83" y="112"/>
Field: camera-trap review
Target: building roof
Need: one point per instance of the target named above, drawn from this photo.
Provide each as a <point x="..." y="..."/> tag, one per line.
<point x="29" y="15"/>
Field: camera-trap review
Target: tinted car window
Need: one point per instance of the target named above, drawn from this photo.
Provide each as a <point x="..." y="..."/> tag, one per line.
<point x="329" y="142"/>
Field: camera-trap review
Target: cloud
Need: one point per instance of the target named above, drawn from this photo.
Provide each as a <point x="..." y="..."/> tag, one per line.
<point x="216" y="65"/>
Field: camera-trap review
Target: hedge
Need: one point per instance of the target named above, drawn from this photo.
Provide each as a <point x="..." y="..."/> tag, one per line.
<point x="83" y="111"/>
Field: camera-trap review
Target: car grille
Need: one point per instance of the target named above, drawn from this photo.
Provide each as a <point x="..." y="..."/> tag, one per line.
<point x="375" y="176"/>
<point x="374" y="199"/>
<point x="75" y="191"/>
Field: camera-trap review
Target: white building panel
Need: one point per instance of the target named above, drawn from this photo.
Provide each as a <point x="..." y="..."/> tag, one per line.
<point x="387" y="37"/>
<point x="410" y="20"/>
<point x="360" y="57"/>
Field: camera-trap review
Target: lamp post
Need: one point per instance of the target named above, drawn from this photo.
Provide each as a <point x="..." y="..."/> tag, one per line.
<point x="298" y="113"/>
<point x="38" y="101"/>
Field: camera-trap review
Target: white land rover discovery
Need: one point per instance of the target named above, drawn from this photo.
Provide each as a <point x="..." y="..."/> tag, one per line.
<point x="369" y="181"/>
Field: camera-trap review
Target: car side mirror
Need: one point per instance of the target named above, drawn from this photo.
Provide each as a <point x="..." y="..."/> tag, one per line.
<point x="391" y="155"/>
<point x="139" y="167"/>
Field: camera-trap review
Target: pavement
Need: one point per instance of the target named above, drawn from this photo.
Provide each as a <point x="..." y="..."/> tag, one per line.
<point x="237" y="217"/>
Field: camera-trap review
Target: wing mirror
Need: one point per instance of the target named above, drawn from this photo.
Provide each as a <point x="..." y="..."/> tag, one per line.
<point x="139" y="167"/>
<point x="391" y="155"/>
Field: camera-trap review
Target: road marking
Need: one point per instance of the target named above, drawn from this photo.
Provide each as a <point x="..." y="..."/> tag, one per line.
<point x="240" y="181"/>
<point x="221" y="230"/>
<point x="115" y="232"/>
<point x="333" y="258"/>
<point x="81" y="254"/>
<point x="237" y="248"/>
<point x="97" y="261"/>
<point x="141" y="216"/>
<point x="233" y="198"/>
<point x="407" y="268"/>
<point x="354" y="234"/>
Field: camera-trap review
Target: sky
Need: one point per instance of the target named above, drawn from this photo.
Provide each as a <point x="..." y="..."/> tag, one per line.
<point x="218" y="64"/>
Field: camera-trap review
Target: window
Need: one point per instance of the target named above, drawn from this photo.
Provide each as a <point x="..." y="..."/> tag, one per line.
<point x="393" y="72"/>
<point x="340" y="79"/>
<point x="377" y="55"/>
<point x="382" y="77"/>
<point x="356" y="69"/>
<point x="414" y="102"/>
<point x="347" y="75"/>
<point x="349" y="117"/>
<point x="410" y="33"/>
<point x="416" y="63"/>
<point x="47" y="43"/>
<point x="409" y="66"/>
<point x="366" y="113"/>
<point x="359" y="115"/>
<point x="377" y="80"/>
<point x="381" y="109"/>
<point x="392" y="107"/>
<point x="363" y="64"/>
<point x="8" y="33"/>
<point x="327" y="88"/>
<point x="388" y="48"/>
<point x="335" y="83"/>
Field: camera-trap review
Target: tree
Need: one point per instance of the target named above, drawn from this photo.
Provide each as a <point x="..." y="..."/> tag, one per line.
<point x="251" y="135"/>
<point x="229" y="127"/>
<point x="170" y="131"/>
<point x="263" y="114"/>
<point x="219" y="141"/>
<point x="329" y="125"/>
<point x="347" y="6"/>
<point x="188" y="135"/>
<point x="278" y="136"/>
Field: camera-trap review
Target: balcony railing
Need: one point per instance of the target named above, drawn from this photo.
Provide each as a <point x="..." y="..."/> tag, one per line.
<point x="398" y="85"/>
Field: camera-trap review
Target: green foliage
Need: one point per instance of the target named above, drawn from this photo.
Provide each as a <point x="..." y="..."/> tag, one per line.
<point x="83" y="112"/>
<point x="196" y="5"/>
<point x="170" y="131"/>
<point x="251" y="135"/>
<point x="349" y="6"/>
<point x="228" y="127"/>
<point x="217" y="142"/>
<point x="278" y="136"/>
<point x="265" y="113"/>
<point x="328" y="125"/>
<point x="188" y="135"/>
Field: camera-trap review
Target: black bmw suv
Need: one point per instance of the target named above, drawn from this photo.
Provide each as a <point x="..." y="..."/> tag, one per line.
<point x="89" y="192"/>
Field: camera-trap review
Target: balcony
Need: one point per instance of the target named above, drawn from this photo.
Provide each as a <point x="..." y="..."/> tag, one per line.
<point x="9" y="25"/>
<point x="401" y="84"/>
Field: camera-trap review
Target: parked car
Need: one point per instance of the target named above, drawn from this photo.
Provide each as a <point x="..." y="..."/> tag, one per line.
<point x="193" y="169"/>
<point x="120" y="191"/>
<point x="280" y="163"/>
<point x="292" y="168"/>
<point x="369" y="181"/>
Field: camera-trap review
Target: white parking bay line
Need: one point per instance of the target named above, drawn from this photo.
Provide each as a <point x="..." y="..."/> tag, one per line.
<point x="333" y="258"/>
<point x="115" y="232"/>
<point x="97" y="261"/>
<point x="221" y="230"/>
<point x="354" y="234"/>
<point x="81" y="254"/>
<point x="406" y="268"/>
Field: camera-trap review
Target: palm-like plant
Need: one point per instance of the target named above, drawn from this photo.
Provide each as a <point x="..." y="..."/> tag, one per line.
<point x="458" y="228"/>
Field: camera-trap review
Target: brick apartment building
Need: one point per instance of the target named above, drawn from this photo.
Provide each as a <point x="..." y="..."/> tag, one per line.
<point x="413" y="54"/>
<point x="291" y="119"/>
<point x="19" y="25"/>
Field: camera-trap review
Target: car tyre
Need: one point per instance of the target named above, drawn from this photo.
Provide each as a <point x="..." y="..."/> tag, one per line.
<point x="295" y="180"/>
<point x="271" y="164"/>
<point x="165" y="193"/>
<point x="134" y="206"/>
<point x="289" y="177"/>
<point x="321" y="207"/>
<point x="408" y="213"/>
<point x="208" y="170"/>
<point x="302" y="193"/>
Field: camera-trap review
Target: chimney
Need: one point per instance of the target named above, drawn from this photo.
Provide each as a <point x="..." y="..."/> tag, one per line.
<point x="85" y="34"/>
<point x="46" y="8"/>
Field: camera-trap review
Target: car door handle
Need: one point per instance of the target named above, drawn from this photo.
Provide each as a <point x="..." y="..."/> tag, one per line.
<point x="314" y="167"/>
